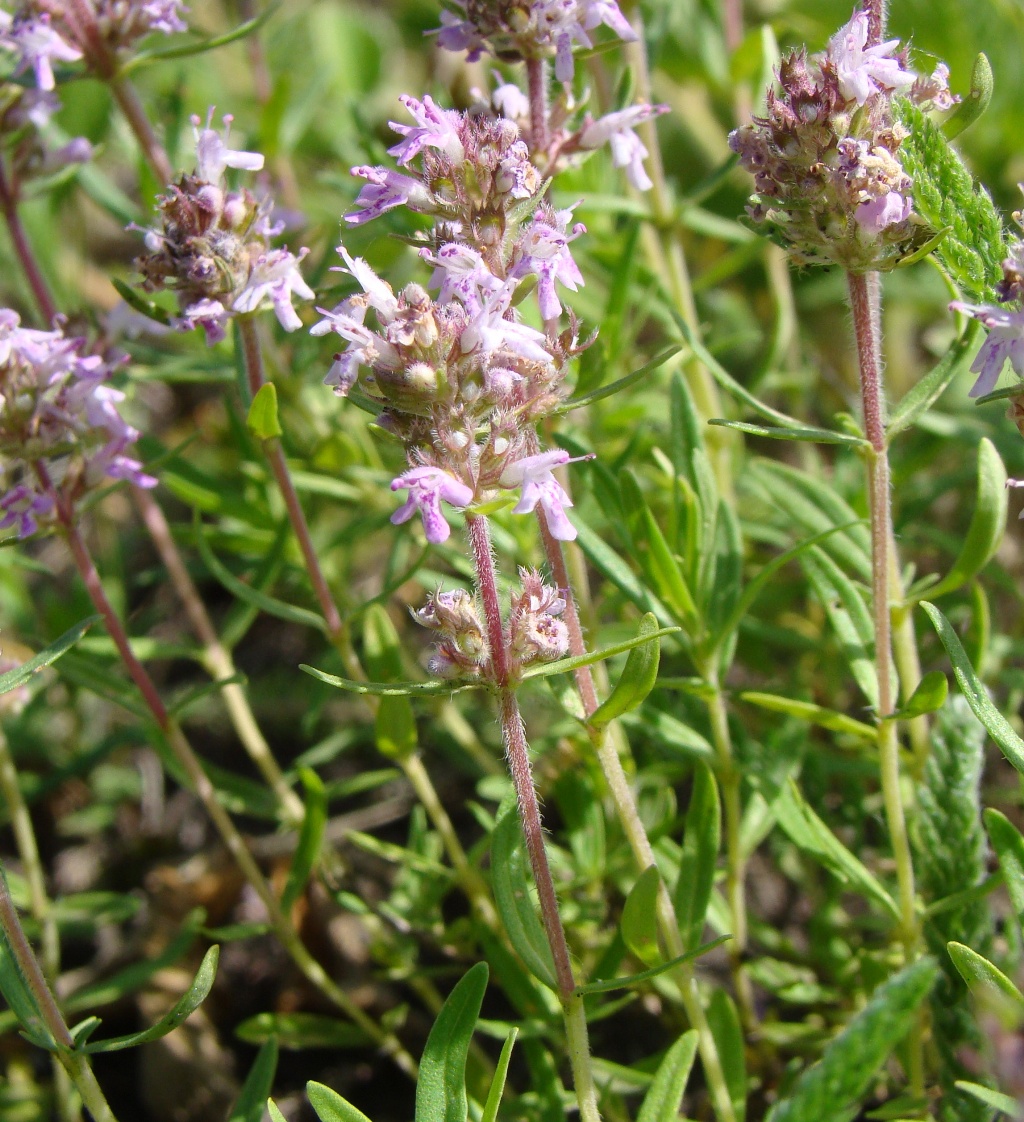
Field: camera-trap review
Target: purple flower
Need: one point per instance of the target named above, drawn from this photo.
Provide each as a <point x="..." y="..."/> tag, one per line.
<point x="510" y="101"/>
<point x="628" y="150"/>
<point x="546" y="253"/>
<point x="863" y="70"/>
<point x="489" y="331"/>
<point x="434" y="128"/>
<point x="596" y="12"/>
<point x="213" y="155"/>
<point x="461" y="273"/>
<point x="23" y="506"/>
<point x="1005" y="341"/>
<point x="275" y="276"/>
<point x="210" y="315"/>
<point x="165" y="15"/>
<point x="534" y="475"/>
<point x="385" y="190"/>
<point x="456" y="34"/>
<point x="427" y="486"/>
<point x="37" y="45"/>
<point x="874" y="215"/>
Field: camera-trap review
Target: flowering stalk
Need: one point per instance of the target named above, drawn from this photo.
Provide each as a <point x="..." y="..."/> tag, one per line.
<point x="864" y="306"/>
<point x="518" y="754"/>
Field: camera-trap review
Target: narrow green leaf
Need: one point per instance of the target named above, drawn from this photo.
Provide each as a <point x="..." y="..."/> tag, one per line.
<point x="1009" y="845"/>
<point x="975" y="103"/>
<point x="579" y="401"/>
<point x="140" y="304"/>
<point x="275" y="1112"/>
<point x="805" y="433"/>
<point x="663" y="569"/>
<point x="257" y="1086"/>
<point x="764" y="577"/>
<point x="844" y="605"/>
<point x="996" y="724"/>
<point x="263" y="421"/>
<point x="1008" y="1105"/>
<point x="311" y="838"/>
<point x="392" y="689"/>
<point x="12" y="679"/>
<point x="636" y="680"/>
<point x="247" y="593"/>
<point x="988" y="522"/>
<point x="605" y="985"/>
<point x="639" y="924"/>
<point x="299" y="1031"/>
<point x="724" y="1021"/>
<point x="727" y="381"/>
<point x="833" y="1087"/>
<point x="930" y="696"/>
<point x="194" y="996"/>
<point x="981" y="975"/>
<point x="565" y="665"/>
<point x="611" y="565"/>
<point x="394" y="722"/>
<point x="510" y="880"/>
<point x="665" y="1094"/>
<point x="330" y="1106"/>
<point x="702" y="836"/>
<point x="490" y="1113"/>
<point x="441" y="1087"/>
<point x="807" y="831"/>
<point x="814" y="714"/>
<point x="930" y="388"/>
<point x="19" y="997"/>
<point x="211" y="43"/>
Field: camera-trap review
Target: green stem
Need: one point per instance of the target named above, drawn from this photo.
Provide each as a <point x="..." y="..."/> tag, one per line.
<point x="865" y="308"/>
<point x="75" y="1063"/>
<point x="130" y="104"/>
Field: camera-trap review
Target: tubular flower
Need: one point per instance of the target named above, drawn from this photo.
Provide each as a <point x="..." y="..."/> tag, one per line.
<point x="427" y="487"/>
<point x="213" y="245"/>
<point x="533" y="474"/>
<point x="628" y="151"/>
<point x="60" y="424"/>
<point x="828" y="182"/>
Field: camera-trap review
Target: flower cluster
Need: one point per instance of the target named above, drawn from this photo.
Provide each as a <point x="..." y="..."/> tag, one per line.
<point x="44" y="32"/>
<point x="213" y="245"/>
<point x="60" y="427"/>
<point x="461" y="649"/>
<point x="458" y="376"/>
<point x="530" y="29"/>
<point x="825" y="157"/>
<point x="460" y="379"/>
<point x="1005" y="325"/>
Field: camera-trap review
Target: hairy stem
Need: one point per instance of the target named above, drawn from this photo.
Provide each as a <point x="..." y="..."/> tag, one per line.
<point x="23" y="248"/>
<point x="864" y="304"/>
<point x="537" y="83"/>
<point x="517" y="751"/>
<point x="636" y="834"/>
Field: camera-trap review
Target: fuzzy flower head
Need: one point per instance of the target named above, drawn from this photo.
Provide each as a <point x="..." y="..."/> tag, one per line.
<point x="213" y="244"/>
<point x="536" y="630"/>
<point x="42" y="33"/>
<point x="828" y="181"/>
<point x="61" y="429"/>
<point x="461" y="649"/>
<point x="530" y="29"/>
